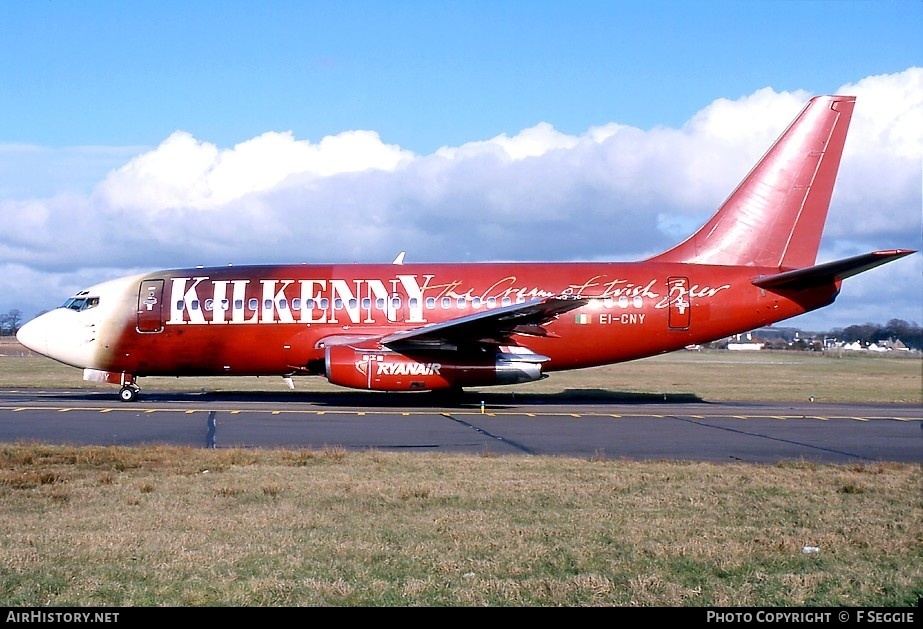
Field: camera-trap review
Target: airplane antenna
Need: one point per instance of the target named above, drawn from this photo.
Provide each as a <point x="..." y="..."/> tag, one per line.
<point x="400" y="258"/>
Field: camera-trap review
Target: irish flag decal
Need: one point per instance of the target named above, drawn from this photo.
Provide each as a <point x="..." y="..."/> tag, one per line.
<point x="582" y="319"/>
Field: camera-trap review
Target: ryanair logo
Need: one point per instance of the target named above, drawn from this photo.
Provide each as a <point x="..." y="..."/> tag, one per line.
<point x="409" y="369"/>
<point x="396" y="368"/>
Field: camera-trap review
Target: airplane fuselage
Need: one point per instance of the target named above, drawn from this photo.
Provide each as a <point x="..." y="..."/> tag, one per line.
<point x="277" y="320"/>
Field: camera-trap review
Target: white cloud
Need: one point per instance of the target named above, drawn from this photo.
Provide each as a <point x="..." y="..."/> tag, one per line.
<point x="613" y="192"/>
<point x="757" y="118"/>
<point x="532" y="142"/>
<point x="889" y="114"/>
<point x="184" y="172"/>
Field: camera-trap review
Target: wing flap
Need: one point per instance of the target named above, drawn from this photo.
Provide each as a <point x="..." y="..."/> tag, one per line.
<point x="494" y="326"/>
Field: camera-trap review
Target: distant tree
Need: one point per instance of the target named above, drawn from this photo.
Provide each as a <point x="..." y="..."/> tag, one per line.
<point x="863" y="333"/>
<point x="10" y="322"/>
<point x="910" y="334"/>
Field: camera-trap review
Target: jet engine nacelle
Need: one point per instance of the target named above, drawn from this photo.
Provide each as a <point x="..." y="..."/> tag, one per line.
<point x="386" y="370"/>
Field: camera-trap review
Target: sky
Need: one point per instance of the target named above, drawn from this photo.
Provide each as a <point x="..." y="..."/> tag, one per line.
<point x="137" y="136"/>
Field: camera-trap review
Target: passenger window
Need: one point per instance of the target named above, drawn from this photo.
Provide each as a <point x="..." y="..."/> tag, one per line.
<point x="253" y="304"/>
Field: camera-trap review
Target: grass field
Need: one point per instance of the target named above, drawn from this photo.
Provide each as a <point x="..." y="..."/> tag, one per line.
<point x="163" y="526"/>
<point x="177" y="527"/>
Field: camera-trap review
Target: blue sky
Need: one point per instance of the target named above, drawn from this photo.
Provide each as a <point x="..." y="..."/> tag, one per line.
<point x="422" y="74"/>
<point x="122" y="117"/>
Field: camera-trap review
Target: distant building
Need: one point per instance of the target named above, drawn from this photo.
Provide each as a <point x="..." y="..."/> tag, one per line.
<point x="745" y="347"/>
<point x="793" y="339"/>
<point x="896" y="346"/>
<point x="744" y="343"/>
<point x="882" y="346"/>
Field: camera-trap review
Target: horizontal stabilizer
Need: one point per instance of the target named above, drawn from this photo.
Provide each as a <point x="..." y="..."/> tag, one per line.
<point x="830" y="271"/>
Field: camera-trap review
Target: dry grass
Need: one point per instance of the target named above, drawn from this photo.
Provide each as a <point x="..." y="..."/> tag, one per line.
<point x="173" y="526"/>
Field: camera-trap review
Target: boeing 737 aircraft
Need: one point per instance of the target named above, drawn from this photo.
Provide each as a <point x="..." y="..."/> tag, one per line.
<point x="416" y="327"/>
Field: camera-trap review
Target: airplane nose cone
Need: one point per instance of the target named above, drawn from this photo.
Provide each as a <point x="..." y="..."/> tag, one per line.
<point x="33" y="335"/>
<point x="62" y="335"/>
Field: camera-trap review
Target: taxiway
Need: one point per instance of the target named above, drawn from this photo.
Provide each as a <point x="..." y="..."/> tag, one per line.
<point x="496" y="425"/>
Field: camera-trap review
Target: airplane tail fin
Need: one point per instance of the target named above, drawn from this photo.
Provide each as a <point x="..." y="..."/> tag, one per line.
<point x="776" y="215"/>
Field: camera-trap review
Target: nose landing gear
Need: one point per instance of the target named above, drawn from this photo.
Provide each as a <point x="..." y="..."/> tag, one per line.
<point x="129" y="390"/>
<point x="129" y="393"/>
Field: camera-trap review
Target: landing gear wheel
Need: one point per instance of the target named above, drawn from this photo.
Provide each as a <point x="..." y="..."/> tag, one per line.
<point x="128" y="394"/>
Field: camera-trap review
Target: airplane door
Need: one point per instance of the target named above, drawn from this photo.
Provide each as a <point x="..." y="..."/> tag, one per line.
<point x="150" y="306"/>
<point x="680" y="306"/>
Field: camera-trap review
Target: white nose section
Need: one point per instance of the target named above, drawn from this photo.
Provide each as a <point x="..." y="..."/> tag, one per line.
<point x="32" y="335"/>
<point x="61" y="334"/>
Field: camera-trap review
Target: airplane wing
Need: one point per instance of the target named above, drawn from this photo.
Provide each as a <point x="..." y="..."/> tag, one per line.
<point x="830" y="271"/>
<point x="493" y="326"/>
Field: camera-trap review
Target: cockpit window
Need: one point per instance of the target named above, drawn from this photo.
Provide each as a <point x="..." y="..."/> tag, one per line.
<point x="80" y="303"/>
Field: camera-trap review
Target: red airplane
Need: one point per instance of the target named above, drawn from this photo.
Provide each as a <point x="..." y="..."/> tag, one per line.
<point x="416" y="327"/>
